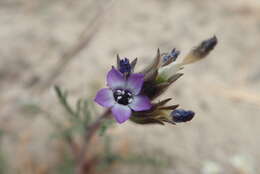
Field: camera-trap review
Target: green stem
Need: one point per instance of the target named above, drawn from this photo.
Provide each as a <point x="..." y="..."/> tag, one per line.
<point x="90" y="132"/>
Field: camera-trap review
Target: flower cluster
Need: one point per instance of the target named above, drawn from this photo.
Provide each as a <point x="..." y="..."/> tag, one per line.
<point x="130" y="95"/>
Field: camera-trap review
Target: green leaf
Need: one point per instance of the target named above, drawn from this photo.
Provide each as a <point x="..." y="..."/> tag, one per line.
<point x="78" y="108"/>
<point x="3" y="168"/>
<point x="62" y="96"/>
<point x="105" y="126"/>
<point x="108" y="157"/>
<point x="86" y="113"/>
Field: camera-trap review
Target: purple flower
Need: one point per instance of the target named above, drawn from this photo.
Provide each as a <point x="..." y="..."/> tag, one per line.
<point x="123" y="95"/>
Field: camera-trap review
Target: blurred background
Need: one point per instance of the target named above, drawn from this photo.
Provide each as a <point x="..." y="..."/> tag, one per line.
<point x="74" y="44"/>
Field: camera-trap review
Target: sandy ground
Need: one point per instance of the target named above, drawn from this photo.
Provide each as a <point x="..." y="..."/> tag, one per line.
<point x="223" y="89"/>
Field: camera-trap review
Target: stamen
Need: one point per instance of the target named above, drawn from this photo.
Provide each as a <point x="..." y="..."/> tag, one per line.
<point x="130" y="100"/>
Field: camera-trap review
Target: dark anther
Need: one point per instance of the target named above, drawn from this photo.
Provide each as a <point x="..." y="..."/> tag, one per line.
<point x="123" y="97"/>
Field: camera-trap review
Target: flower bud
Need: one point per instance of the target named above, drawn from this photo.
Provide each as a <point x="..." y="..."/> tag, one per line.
<point x="124" y="66"/>
<point x="166" y="72"/>
<point x="181" y="115"/>
<point x="170" y="57"/>
<point x="159" y="113"/>
<point x="201" y="51"/>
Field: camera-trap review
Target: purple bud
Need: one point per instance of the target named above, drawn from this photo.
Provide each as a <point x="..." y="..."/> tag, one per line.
<point x="204" y="48"/>
<point x="209" y="44"/>
<point x="181" y="115"/>
<point x="124" y="66"/>
<point x="173" y="55"/>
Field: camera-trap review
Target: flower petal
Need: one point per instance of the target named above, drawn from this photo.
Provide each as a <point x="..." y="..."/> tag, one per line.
<point x="135" y="83"/>
<point x="140" y="103"/>
<point x="105" y="97"/>
<point x="115" y="79"/>
<point x="121" y="112"/>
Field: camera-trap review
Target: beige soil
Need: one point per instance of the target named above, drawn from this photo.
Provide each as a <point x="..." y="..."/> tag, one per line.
<point x="223" y="89"/>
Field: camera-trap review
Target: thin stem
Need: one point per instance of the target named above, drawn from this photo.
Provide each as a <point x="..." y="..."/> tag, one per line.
<point x="90" y="132"/>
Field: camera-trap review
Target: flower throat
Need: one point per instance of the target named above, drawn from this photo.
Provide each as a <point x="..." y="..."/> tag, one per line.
<point x="123" y="97"/>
